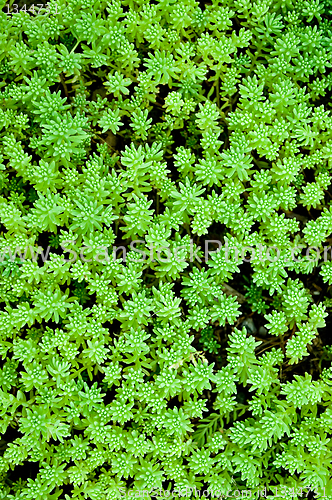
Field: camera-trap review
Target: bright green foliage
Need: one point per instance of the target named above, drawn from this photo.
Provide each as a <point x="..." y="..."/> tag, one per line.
<point x="134" y="136"/>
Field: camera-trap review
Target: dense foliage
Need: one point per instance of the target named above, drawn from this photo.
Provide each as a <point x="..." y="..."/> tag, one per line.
<point x="156" y="126"/>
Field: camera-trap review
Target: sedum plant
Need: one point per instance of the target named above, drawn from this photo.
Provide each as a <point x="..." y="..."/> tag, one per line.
<point x="132" y="134"/>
